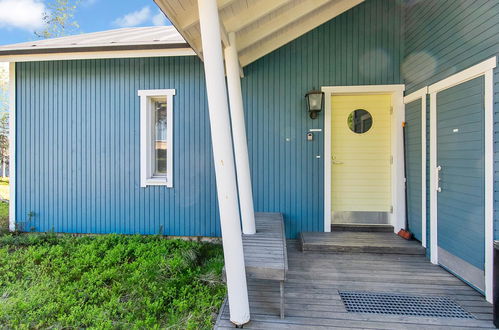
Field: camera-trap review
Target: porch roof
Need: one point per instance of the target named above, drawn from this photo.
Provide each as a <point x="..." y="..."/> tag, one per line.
<point x="261" y="26"/>
<point x="120" y="39"/>
<point x="137" y="41"/>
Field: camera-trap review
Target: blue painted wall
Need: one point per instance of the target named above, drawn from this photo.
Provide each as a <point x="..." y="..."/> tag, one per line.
<point x="361" y="47"/>
<point x="78" y="120"/>
<point x="78" y="148"/>
<point x="461" y="203"/>
<point x="413" y="167"/>
<point x="78" y="131"/>
<point x="444" y="37"/>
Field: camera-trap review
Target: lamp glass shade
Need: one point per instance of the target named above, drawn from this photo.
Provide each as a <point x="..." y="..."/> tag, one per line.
<point x="314" y="101"/>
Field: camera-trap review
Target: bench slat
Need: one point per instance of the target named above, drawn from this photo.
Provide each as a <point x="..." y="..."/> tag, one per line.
<point x="265" y="254"/>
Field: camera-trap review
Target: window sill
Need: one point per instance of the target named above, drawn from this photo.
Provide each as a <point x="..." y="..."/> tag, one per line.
<point x="157" y="182"/>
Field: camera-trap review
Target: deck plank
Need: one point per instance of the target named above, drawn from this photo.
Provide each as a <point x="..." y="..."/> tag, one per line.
<point x="313" y="302"/>
<point x="359" y="242"/>
<point x="265" y="251"/>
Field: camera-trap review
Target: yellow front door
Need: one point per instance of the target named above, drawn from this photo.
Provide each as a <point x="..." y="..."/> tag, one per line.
<point x="361" y="153"/>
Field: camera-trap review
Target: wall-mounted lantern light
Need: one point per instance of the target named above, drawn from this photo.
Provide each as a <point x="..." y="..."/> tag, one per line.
<point x="315" y="100"/>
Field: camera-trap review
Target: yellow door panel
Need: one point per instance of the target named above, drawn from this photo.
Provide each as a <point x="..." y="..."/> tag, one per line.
<point x="361" y="162"/>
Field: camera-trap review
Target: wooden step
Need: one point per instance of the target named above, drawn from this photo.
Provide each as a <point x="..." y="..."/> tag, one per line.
<point x="359" y="242"/>
<point x="369" y="228"/>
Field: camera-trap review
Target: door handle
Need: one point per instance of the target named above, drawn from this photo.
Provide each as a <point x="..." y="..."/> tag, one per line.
<point x="334" y="161"/>
<point x="439" y="168"/>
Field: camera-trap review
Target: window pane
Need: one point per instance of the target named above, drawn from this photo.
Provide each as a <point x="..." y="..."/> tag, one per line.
<point x="160" y="137"/>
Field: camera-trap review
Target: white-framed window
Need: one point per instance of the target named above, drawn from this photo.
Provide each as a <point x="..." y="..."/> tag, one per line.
<point x="156" y="137"/>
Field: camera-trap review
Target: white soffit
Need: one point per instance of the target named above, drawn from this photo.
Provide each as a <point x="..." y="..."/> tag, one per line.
<point x="261" y="26"/>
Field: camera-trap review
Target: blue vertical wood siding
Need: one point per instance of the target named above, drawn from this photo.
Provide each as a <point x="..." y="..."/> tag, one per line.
<point x="361" y="47"/>
<point x="78" y="131"/>
<point x="78" y="148"/>
<point x="444" y="37"/>
<point x="413" y="167"/>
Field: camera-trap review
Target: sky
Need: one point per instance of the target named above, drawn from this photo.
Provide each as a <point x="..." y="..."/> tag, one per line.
<point x="19" y="19"/>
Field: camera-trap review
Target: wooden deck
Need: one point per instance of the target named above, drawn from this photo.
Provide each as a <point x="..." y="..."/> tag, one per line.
<point x="362" y="242"/>
<point x="313" y="302"/>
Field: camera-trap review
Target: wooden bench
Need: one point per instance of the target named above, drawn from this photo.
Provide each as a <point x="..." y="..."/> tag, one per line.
<point x="265" y="254"/>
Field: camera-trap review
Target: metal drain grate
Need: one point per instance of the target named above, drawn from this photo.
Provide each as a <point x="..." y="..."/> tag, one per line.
<point x="398" y="304"/>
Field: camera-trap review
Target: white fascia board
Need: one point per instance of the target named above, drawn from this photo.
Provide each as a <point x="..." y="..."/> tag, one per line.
<point x="98" y="55"/>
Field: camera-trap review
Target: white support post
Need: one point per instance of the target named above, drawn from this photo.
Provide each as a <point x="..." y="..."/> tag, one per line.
<point x="239" y="136"/>
<point x="224" y="162"/>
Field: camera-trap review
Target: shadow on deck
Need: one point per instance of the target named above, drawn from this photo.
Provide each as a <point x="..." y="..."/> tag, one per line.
<point x="314" y="280"/>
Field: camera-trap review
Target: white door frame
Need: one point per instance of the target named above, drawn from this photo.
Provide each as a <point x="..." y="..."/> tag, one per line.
<point x="421" y="94"/>
<point x="397" y="217"/>
<point x="485" y="68"/>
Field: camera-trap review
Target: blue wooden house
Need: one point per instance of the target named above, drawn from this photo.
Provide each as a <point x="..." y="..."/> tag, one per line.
<point x="290" y="107"/>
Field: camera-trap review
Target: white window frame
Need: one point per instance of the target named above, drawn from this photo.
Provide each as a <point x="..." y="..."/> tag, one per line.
<point x="147" y="177"/>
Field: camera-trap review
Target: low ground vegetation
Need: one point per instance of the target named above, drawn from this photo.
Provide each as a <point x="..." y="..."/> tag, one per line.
<point x="4" y="205"/>
<point x="108" y="281"/>
<point x="4" y="216"/>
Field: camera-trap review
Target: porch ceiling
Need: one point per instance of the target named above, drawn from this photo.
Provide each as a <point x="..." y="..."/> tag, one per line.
<point x="261" y="26"/>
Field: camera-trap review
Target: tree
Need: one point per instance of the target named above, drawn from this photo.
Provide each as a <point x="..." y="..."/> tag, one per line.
<point x="4" y="119"/>
<point x="4" y="86"/>
<point x="4" y="143"/>
<point x="59" y="19"/>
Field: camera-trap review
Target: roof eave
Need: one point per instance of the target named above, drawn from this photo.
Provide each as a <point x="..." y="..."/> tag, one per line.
<point x="84" y="49"/>
<point x="95" y="53"/>
<point x="262" y="27"/>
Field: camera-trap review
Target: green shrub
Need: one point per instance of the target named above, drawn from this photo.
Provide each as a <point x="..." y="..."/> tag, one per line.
<point x="109" y="281"/>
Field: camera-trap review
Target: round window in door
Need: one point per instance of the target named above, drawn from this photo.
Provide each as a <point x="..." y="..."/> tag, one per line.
<point x="360" y="121"/>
